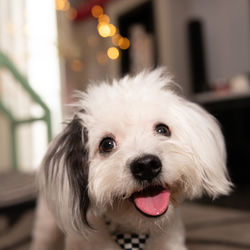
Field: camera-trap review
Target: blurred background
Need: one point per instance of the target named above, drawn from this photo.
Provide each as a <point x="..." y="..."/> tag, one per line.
<point x="50" y="48"/>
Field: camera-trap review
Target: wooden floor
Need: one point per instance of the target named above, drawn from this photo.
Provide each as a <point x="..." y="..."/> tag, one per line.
<point x="208" y="228"/>
<point x="216" y="228"/>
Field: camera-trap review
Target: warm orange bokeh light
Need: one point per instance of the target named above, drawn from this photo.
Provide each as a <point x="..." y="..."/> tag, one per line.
<point x="97" y="11"/>
<point x="113" y="53"/>
<point x="72" y="14"/>
<point x="116" y="38"/>
<point x="112" y="29"/>
<point x="62" y="5"/>
<point x="123" y="43"/>
<point x="104" y="19"/>
<point x="104" y="29"/>
<point x="76" y="65"/>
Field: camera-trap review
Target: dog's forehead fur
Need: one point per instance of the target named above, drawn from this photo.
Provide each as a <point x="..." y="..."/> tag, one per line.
<point x="130" y="101"/>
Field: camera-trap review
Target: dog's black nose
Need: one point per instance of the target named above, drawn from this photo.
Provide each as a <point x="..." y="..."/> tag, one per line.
<point x="146" y="167"/>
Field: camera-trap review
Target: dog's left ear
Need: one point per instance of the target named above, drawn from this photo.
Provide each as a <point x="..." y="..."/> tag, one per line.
<point x="64" y="176"/>
<point x="209" y="153"/>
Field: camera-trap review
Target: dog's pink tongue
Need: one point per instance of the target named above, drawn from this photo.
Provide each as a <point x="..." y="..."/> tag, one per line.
<point x="153" y="204"/>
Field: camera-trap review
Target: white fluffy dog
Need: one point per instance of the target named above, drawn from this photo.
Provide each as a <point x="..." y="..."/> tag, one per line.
<point x="133" y="152"/>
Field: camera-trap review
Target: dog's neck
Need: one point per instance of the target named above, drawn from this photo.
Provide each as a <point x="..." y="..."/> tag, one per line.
<point x="128" y="240"/>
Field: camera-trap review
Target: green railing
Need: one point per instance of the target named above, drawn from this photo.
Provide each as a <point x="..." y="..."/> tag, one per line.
<point x="6" y="63"/>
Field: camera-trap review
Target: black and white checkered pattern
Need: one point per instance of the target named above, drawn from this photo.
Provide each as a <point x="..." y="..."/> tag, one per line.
<point x="131" y="241"/>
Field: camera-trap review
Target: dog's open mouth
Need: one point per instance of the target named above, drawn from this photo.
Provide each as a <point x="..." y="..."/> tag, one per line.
<point x="152" y="201"/>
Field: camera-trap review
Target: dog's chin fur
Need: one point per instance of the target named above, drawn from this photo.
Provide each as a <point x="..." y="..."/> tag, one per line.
<point x="81" y="183"/>
<point x="126" y="218"/>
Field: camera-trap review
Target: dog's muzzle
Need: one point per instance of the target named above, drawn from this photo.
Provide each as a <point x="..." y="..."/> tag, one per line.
<point x="146" y="167"/>
<point x="153" y="199"/>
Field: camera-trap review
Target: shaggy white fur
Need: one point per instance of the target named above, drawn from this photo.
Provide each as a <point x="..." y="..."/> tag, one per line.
<point x="86" y="174"/>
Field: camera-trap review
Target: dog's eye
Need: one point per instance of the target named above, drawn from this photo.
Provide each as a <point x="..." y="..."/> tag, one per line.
<point x="163" y="129"/>
<point x="107" y="145"/>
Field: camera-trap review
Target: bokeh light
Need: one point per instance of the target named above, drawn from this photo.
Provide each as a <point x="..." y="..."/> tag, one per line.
<point x="62" y="5"/>
<point x="112" y="29"/>
<point x="116" y="38"/>
<point x="104" y="19"/>
<point x="107" y="29"/>
<point x="113" y="53"/>
<point x="97" y="11"/>
<point x="104" y="29"/>
<point x="123" y="43"/>
<point x="71" y="14"/>
<point x="76" y="65"/>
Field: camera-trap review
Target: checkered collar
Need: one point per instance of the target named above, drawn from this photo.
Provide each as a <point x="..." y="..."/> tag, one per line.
<point x="131" y="241"/>
<point x="127" y="241"/>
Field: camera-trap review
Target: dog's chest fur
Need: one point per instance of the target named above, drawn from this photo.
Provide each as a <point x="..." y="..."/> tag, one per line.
<point x="104" y="238"/>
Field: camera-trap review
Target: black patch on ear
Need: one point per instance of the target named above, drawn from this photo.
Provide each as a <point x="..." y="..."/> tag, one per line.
<point x="70" y="149"/>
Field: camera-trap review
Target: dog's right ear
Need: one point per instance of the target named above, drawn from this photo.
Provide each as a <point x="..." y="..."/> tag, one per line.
<point x="64" y="176"/>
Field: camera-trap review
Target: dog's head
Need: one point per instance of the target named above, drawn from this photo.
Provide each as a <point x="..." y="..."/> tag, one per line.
<point x="134" y="148"/>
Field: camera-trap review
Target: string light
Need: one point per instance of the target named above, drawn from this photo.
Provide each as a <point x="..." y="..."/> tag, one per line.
<point x="113" y="53"/>
<point x="97" y="11"/>
<point x="107" y="29"/>
<point x="103" y="29"/>
<point x="123" y="43"/>
<point x="112" y="29"/>
<point x="104" y="19"/>
<point x="71" y="14"/>
<point x="115" y="39"/>
<point x="76" y="65"/>
<point x="62" y="5"/>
